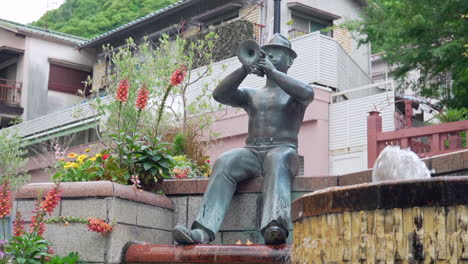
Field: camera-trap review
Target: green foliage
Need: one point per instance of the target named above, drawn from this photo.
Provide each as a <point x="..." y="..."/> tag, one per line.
<point x="66" y="220"/>
<point x="29" y="248"/>
<point x="230" y="35"/>
<point x="452" y="115"/>
<point x="427" y="36"/>
<point x="72" y="258"/>
<point x="140" y="156"/>
<point x="178" y="147"/>
<point x="89" y="18"/>
<point x="12" y="158"/>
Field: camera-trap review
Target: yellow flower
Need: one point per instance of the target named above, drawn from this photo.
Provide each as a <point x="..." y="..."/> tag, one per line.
<point x="72" y="155"/>
<point x="69" y="165"/>
<point x="92" y="158"/>
<point x="87" y="150"/>
<point x="98" y="155"/>
<point x="81" y="158"/>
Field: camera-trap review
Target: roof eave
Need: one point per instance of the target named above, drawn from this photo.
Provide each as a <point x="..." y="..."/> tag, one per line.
<point x="49" y="38"/>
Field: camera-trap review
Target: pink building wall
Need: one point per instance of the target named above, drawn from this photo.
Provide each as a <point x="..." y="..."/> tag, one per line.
<point x="313" y="135"/>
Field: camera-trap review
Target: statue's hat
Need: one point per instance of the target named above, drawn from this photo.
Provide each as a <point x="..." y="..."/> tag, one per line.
<point x="278" y="40"/>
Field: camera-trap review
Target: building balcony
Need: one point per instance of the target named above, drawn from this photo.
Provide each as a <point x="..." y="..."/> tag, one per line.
<point x="10" y="92"/>
<point x="320" y="61"/>
<point x="10" y="98"/>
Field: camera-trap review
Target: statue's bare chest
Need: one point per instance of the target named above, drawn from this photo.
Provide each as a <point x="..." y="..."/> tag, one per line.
<point x="266" y="101"/>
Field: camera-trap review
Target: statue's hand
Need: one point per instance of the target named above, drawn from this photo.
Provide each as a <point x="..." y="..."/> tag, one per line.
<point x="266" y="65"/>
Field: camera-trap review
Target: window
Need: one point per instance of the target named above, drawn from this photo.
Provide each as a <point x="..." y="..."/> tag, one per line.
<point x="66" y="79"/>
<point x="307" y="19"/>
<point x="303" y="25"/>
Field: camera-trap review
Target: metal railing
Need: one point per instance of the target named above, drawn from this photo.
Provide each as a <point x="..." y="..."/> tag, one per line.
<point x="10" y="91"/>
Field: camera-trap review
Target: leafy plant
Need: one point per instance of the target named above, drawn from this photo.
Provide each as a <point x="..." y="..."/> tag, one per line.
<point x="147" y="159"/>
<point x="452" y="115"/>
<point x="12" y="158"/>
<point x="178" y="147"/>
<point x="30" y="248"/>
<point x="72" y="258"/>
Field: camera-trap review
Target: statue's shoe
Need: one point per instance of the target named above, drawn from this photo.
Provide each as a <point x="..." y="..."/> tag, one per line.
<point x="184" y="236"/>
<point x="275" y="235"/>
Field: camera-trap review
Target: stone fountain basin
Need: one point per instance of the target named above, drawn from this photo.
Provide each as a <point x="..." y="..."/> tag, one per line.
<point x="412" y="220"/>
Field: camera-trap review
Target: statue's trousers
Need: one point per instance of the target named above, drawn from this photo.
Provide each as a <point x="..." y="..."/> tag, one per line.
<point x="276" y="163"/>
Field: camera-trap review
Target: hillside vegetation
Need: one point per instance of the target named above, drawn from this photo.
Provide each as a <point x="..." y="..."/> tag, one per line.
<point x="90" y="18"/>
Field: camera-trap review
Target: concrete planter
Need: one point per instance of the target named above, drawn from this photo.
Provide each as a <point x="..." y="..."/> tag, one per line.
<point x="139" y="217"/>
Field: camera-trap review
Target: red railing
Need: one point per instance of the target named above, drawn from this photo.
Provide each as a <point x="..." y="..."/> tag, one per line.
<point x="425" y="141"/>
<point x="10" y="91"/>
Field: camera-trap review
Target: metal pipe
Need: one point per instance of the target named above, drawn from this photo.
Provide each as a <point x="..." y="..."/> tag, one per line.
<point x="277" y="17"/>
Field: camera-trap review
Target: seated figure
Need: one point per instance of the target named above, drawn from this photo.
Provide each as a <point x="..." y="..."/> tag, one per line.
<point x="275" y="113"/>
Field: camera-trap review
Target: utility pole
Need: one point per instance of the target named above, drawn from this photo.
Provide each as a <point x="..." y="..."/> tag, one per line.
<point x="277" y="17"/>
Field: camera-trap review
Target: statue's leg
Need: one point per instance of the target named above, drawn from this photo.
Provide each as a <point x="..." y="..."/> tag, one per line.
<point x="279" y="167"/>
<point x="229" y="169"/>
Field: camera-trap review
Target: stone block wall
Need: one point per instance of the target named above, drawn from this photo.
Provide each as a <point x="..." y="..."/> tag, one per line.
<point x="138" y="216"/>
<point x="242" y="221"/>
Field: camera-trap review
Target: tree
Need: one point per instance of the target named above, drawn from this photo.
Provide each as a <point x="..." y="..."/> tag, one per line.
<point x="427" y="36"/>
<point x="90" y="18"/>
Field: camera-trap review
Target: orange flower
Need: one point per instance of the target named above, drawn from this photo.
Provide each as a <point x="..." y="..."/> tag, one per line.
<point x="142" y="98"/>
<point x="178" y="75"/>
<point x="72" y="155"/>
<point x="51" y="200"/>
<point x="122" y="91"/>
<point x="100" y="226"/>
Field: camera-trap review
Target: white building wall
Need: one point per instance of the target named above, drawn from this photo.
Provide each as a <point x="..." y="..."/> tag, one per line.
<point x="9" y="39"/>
<point x="346" y="9"/>
<point x="348" y="130"/>
<point x="36" y="98"/>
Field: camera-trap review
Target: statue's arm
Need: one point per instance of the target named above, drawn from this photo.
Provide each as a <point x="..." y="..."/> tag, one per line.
<point x="298" y="90"/>
<point x="227" y="91"/>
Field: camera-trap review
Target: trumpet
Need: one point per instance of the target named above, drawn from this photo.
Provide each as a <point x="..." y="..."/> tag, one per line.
<point x="248" y="54"/>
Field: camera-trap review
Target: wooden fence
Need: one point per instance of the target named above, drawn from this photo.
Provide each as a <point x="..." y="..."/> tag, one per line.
<point x="425" y="141"/>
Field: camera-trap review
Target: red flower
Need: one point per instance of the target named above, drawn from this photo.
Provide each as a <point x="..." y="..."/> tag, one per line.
<point x="51" y="200"/>
<point x="122" y="91"/>
<point x="142" y="98"/>
<point x="105" y="156"/>
<point x="44" y="207"/>
<point x="5" y="199"/>
<point x="37" y="225"/>
<point x="98" y="225"/>
<point x="18" y="225"/>
<point x="178" y="75"/>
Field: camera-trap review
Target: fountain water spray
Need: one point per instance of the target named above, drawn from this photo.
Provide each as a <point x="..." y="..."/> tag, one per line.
<point x="394" y="163"/>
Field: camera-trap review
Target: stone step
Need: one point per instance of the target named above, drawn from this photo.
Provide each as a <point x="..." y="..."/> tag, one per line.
<point x="226" y="254"/>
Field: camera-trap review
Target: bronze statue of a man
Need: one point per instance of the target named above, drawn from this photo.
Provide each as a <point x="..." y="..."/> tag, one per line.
<point x="275" y="115"/>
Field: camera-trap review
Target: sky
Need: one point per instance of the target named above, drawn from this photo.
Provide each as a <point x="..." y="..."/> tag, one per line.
<point x="26" y="11"/>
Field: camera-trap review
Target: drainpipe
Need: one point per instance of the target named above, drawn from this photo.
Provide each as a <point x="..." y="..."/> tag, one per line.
<point x="277" y="17"/>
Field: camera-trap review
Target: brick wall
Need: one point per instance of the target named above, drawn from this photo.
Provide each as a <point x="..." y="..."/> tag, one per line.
<point x="190" y="32"/>
<point x="252" y="14"/>
<point x="343" y="37"/>
<point x="99" y="71"/>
